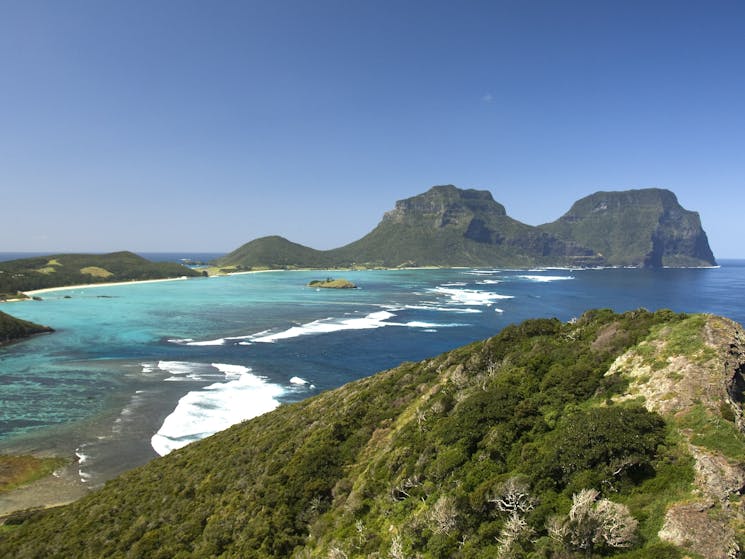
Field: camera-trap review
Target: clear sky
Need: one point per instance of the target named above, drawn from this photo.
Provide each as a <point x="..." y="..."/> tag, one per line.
<point x="155" y="125"/>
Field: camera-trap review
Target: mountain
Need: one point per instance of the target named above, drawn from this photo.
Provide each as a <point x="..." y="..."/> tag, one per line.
<point x="608" y="435"/>
<point x="636" y="228"/>
<point x="12" y="329"/>
<point x="27" y="274"/>
<point x="448" y="226"/>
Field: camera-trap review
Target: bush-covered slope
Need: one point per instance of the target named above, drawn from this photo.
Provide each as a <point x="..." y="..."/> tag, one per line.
<point x="546" y="440"/>
<point x="59" y="270"/>
<point x="12" y="328"/>
<point x="645" y="227"/>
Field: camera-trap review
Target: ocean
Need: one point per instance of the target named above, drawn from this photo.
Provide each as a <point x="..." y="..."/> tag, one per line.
<point x="135" y="371"/>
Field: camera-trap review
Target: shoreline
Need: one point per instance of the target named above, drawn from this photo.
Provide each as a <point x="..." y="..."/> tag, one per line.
<point x="91" y="285"/>
<point x="30" y="294"/>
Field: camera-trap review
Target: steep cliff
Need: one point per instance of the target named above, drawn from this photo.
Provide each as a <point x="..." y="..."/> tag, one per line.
<point x="636" y="228"/>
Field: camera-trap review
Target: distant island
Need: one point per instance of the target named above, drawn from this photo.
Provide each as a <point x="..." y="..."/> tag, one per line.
<point x="608" y="435"/>
<point x="13" y="329"/>
<point x="331" y="283"/>
<point x="61" y="270"/>
<point x="447" y="226"/>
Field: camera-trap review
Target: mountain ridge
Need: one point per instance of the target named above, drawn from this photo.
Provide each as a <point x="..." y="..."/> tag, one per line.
<point x="447" y="226"/>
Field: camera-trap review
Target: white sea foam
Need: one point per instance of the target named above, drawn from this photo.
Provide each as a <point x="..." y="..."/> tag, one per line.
<point x="325" y="326"/>
<point x="488" y="282"/>
<point x="298" y="381"/>
<point x="186" y="371"/>
<point x="220" y="341"/>
<point x="544" y="279"/>
<point x="469" y="296"/>
<point x="481" y="272"/>
<point x="201" y="413"/>
<point x="442" y="309"/>
<point x="82" y="459"/>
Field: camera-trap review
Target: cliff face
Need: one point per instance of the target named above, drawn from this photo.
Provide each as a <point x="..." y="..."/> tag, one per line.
<point x="636" y="228"/>
<point x="605" y="434"/>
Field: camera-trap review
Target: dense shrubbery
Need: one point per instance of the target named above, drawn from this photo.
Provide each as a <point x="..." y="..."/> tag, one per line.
<point x="487" y="451"/>
<point x="12" y="328"/>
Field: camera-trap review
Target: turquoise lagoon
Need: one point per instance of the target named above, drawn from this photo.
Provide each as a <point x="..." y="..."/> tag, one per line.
<point x="134" y="371"/>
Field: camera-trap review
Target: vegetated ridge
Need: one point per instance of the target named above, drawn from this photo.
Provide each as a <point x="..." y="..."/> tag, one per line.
<point x="28" y="274"/>
<point x="610" y="435"/>
<point x="447" y="226"/>
<point x="12" y="329"/>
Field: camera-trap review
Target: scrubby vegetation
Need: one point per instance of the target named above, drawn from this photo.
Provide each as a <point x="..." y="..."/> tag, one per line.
<point x="27" y="274"/>
<point x="331" y="283"/>
<point x="12" y="328"/>
<point x="510" y="447"/>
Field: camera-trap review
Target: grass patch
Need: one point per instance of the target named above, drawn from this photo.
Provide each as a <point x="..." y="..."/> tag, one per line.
<point x="20" y="470"/>
<point x="713" y="432"/>
<point x="96" y="272"/>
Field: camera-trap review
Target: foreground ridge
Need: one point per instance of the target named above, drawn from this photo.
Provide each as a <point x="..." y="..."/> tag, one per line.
<point x="608" y="435"/>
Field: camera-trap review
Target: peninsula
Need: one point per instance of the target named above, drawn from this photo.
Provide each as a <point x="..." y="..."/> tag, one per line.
<point x="13" y="329"/>
<point x="62" y="270"/>
<point x="447" y="226"/>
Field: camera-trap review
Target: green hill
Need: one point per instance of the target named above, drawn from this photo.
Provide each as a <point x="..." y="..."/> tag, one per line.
<point x="636" y="228"/>
<point x="12" y="328"/>
<point x="610" y="435"/>
<point x="447" y="226"/>
<point x="28" y="274"/>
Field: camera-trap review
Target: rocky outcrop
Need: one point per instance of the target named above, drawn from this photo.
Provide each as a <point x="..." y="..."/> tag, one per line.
<point x="699" y="389"/>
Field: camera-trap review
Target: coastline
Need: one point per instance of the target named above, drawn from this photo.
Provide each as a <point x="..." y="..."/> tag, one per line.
<point x="90" y="285"/>
<point x="58" y="488"/>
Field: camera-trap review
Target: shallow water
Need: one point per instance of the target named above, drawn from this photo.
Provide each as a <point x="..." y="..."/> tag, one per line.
<point x="134" y="371"/>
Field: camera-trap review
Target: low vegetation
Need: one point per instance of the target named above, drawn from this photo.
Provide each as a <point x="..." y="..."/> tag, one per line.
<point x="28" y="274"/>
<point x="519" y="446"/>
<point x="19" y="470"/>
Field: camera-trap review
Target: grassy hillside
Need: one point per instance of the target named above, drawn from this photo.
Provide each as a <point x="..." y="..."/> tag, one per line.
<point x="59" y="270"/>
<point x="584" y="439"/>
<point x="12" y="328"/>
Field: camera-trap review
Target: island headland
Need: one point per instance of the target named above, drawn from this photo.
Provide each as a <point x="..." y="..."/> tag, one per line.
<point x="450" y="227"/>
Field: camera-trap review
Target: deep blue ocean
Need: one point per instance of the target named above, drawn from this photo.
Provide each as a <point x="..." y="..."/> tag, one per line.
<point x="134" y="371"/>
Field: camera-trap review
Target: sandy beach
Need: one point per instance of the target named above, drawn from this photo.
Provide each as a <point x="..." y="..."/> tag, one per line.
<point x="90" y="285"/>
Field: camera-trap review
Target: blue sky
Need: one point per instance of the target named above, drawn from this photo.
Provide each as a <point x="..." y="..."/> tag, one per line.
<point x="182" y="125"/>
